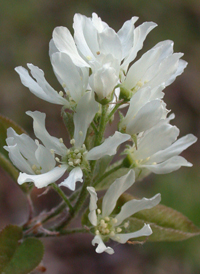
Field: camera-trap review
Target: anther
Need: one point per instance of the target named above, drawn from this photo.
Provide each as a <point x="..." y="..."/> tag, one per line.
<point x="126" y="224"/>
<point x="112" y="233"/>
<point x="98" y="211"/>
<point x="64" y="85"/>
<point x="61" y="140"/>
<point x="57" y="159"/>
<point x="72" y="141"/>
<point x="61" y="93"/>
<point x="119" y="230"/>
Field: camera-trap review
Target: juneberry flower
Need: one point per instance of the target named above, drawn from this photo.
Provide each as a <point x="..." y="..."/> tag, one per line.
<point x="158" y="66"/>
<point x="158" y="149"/>
<point x="145" y="111"/>
<point x="76" y="158"/>
<point x="114" y="226"/>
<point x="99" y="47"/>
<point x="74" y="81"/>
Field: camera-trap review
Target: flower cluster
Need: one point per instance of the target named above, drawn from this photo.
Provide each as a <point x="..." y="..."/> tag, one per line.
<point x="98" y="76"/>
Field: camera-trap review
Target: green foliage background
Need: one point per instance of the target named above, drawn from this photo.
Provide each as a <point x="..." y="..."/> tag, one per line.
<point x="26" y="28"/>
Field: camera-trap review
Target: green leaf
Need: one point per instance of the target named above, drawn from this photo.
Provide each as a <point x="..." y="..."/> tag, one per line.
<point x="5" y="123"/>
<point x="13" y="172"/>
<point x="16" y="258"/>
<point x="8" y="167"/>
<point x="167" y="224"/>
<point x="69" y="122"/>
<point x="102" y="165"/>
<point x="108" y="180"/>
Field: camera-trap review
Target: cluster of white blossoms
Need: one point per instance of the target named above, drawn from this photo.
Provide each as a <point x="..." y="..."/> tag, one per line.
<point x="96" y="77"/>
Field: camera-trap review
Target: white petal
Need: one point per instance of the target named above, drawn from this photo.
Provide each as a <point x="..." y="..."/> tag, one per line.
<point x="26" y="145"/>
<point x="85" y="36"/>
<point x="133" y="206"/>
<point x="139" y="68"/>
<point x="41" y="133"/>
<point x="109" y="43"/>
<point x="103" y="81"/>
<point x="109" y="146"/>
<point x="40" y="87"/>
<point x="168" y="166"/>
<point x="92" y="216"/>
<point x="70" y="75"/>
<point x="65" y="43"/>
<point x="115" y="190"/>
<point x="52" y="48"/>
<point x="140" y="34"/>
<point x="85" y="111"/>
<point x="101" y="246"/>
<point x="175" y="149"/>
<point x="45" y="159"/>
<point x="76" y="175"/>
<point x="160" y="137"/>
<point x="17" y="159"/>
<point x="148" y="116"/>
<point x="123" y="238"/>
<point x="126" y="35"/>
<point x="42" y="180"/>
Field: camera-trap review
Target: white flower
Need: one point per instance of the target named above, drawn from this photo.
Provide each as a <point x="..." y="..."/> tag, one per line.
<point x="143" y="113"/>
<point x="99" y="47"/>
<point x="74" y="81"/>
<point x="76" y="158"/>
<point x="158" y="149"/>
<point x="111" y="226"/>
<point x="158" y="66"/>
<point x="31" y="157"/>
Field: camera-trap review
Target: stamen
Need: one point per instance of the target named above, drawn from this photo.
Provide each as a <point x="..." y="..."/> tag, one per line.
<point x="89" y="58"/>
<point x="97" y="232"/>
<point x="72" y="141"/>
<point x="57" y="159"/>
<point x="98" y="211"/>
<point x="112" y="233"/>
<point x="119" y="229"/>
<point x="61" y="140"/>
<point x="52" y="151"/>
<point x="64" y="85"/>
<point x="61" y="93"/>
<point x="126" y="224"/>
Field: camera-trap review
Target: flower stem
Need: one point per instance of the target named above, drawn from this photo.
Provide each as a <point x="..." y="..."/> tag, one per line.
<point x="63" y="196"/>
<point x="114" y="110"/>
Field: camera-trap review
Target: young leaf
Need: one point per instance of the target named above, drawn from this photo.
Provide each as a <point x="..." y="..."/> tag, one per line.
<point x="4" y="124"/>
<point x="167" y="224"/>
<point x="16" y="258"/>
<point x="108" y="180"/>
<point x="13" y="172"/>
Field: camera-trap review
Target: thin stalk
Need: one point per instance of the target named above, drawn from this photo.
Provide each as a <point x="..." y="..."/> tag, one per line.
<point x="63" y="196"/>
<point x="114" y="110"/>
<point x="54" y="212"/>
<point x="102" y="125"/>
<point x="81" y="199"/>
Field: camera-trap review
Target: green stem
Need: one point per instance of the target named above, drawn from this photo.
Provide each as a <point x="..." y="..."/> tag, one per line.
<point x="63" y="196"/>
<point x="102" y="126"/>
<point x="81" y="199"/>
<point x="114" y="110"/>
<point x="94" y="128"/>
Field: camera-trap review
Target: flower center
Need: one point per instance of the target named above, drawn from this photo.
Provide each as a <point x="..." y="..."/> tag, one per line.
<point x="106" y="226"/>
<point x="75" y="156"/>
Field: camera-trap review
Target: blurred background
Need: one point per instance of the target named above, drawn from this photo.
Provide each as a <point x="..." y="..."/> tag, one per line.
<point x="26" y="28"/>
